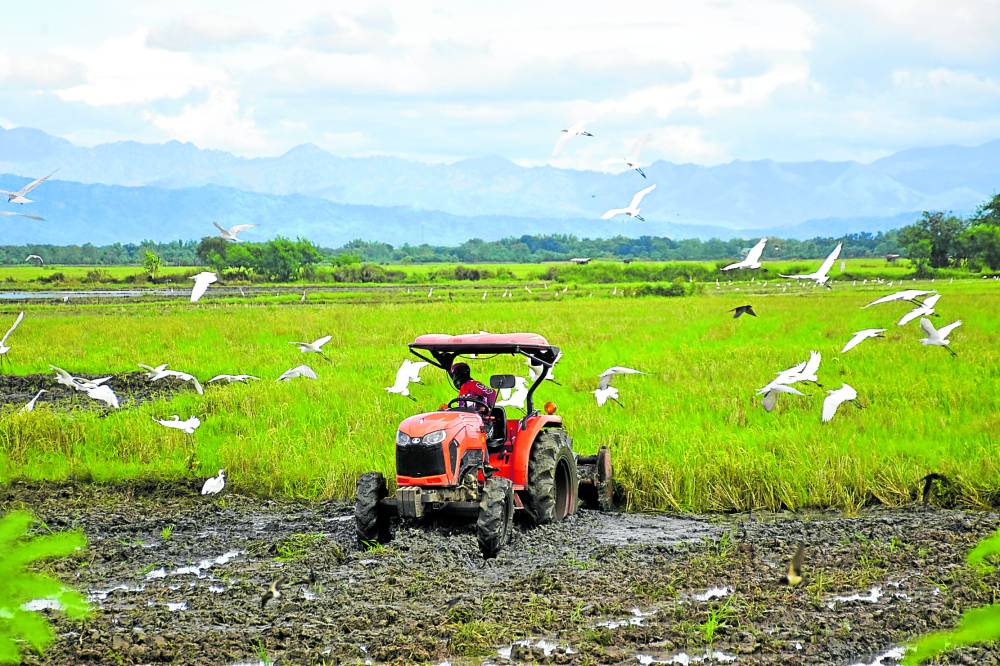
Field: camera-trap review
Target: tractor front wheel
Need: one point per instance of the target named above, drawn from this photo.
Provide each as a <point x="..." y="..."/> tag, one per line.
<point x="370" y="519"/>
<point x="552" y="478"/>
<point x="496" y="511"/>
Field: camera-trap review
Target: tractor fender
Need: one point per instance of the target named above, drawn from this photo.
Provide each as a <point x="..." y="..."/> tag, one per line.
<point x="523" y="442"/>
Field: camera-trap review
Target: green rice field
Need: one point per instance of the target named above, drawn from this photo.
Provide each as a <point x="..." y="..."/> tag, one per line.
<point x="691" y="435"/>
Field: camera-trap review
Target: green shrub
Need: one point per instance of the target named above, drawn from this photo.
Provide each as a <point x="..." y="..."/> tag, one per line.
<point x="18" y="585"/>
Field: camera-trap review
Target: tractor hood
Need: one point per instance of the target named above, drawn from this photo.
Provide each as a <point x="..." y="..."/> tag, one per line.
<point x="452" y="422"/>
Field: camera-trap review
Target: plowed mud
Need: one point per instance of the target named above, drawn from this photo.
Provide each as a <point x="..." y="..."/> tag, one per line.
<point x="176" y="577"/>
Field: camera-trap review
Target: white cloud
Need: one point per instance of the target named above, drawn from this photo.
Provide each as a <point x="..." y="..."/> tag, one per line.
<point x="205" y="32"/>
<point x="218" y="122"/>
<point x="38" y="72"/>
<point x="124" y="70"/>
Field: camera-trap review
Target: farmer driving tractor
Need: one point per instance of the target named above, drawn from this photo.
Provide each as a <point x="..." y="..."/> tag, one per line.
<point x="482" y="397"/>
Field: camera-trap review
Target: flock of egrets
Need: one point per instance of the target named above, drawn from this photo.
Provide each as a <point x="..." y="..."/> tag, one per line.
<point x="806" y="371"/>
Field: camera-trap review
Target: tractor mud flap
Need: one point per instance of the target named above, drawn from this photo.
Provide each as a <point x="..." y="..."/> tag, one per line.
<point x="597" y="484"/>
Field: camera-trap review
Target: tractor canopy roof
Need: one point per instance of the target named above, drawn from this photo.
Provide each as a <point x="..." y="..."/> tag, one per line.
<point x="449" y="346"/>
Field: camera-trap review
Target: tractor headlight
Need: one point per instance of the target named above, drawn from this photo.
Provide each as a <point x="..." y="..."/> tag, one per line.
<point x="402" y="439"/>
<point x="435" y="437"/>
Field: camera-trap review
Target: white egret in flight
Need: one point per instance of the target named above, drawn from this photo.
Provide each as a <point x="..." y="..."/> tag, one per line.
<point x="201" y="282"/>
<point x="4" y="348"/>
<point x="34" y="257"/>
<point x="906" y="295"/>
<point x="230" y="233"/>
<point x="231" y="378"/>
<point x="938" y="337"/>
<point x="822" y="274"/>
<point x="314" y="347"/>
<point x="515" y="397"/>
<point x="835" y="399"/>
<point x="632" y="159"/>
<point x="19" y="196"/>
<point x="925" y="309"/>
<point x="633" y="208"/>
<point x="861" y="336"/>
<point x="297" y="371"/>
<point x="577" y="129"/>
<point x="30" y="407"/>
<point x="408" y="373"/>
<point x="752" y="260"/>
<point x="187" y="426"/>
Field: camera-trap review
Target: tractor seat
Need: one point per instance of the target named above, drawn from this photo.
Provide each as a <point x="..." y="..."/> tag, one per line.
<point x="499" y="432"/>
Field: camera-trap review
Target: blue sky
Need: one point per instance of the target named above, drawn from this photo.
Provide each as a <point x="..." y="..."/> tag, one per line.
<point x="708" y="82"/>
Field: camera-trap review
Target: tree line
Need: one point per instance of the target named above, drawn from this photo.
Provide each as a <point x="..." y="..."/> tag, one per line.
<point x="936" y="240"/>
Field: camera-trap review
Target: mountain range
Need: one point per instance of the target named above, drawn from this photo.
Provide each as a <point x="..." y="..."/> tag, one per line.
<point x="130" y="191"/>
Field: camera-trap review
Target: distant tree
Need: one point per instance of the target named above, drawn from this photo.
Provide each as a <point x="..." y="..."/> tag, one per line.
<point x="935" y="239"/>
<point x="151" y="263"/>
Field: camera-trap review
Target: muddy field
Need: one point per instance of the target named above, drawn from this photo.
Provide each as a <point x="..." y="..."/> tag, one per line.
<point x="177" y="577"/>
<point x="132" y="388"/>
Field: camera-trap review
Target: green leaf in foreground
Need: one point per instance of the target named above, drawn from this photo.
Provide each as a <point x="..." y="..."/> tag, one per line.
<point x="19" y="586"/>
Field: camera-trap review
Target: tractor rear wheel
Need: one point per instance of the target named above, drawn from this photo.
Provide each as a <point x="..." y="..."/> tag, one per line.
<point x="370" y="519"/>
<point x="552" y="478"/>
<point x="496" y="512"/>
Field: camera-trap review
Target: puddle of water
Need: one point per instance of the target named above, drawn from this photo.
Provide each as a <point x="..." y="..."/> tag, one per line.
<point x="713" y="593"/>
<point x="635" y="528"/>
<point x="894" y="654"/>
<point x="196" y="569"/>
<point x="101" y="595"/>
<point x="683" y="658"/>
<point x="636" y="620"/>
<point x="41" y="604"/>
<point x="872" y="597"/>
<point x="177" y="606"/>
<point x="340" y="519"/>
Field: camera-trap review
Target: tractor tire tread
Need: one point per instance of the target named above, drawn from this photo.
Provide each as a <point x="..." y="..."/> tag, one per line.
<point x="496" y="513"/>
<point x="370" y="520"/>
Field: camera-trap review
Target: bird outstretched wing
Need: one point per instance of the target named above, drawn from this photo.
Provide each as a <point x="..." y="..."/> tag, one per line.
<point x="928" y="327"/>
<point x="943" y="331"/>
<point x="753" y="256"/>
<point x="828" y="262"/>
<point x="640" y="195"/>
<point x="17" y="321"/>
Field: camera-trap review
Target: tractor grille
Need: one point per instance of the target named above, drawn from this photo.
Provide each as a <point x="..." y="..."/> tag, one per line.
<point x="419" y="460"/>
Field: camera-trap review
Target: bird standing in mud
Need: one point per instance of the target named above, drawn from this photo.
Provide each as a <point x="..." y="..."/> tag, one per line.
<point x="273" y="592"/>
<point x="794" y="575"/>
<point x="214" y="485"/>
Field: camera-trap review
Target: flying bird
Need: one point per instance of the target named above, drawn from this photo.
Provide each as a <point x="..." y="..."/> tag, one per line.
<point x="742" y="310"/>
<point x="34" y="257"/>
<point x="935" y="337"/>
<point x="7" y="213"/>
<point x="152" y="373"/>
<point x="273" y="592"/>
<point x="835" y="399"/>
<point x="20" y="197"/>
<point x="575" y="130"/>
<point x="606" y="393"/>
<point x="606" y="376"/>
<point x="297" y="371"/>
<point x="201" y="282"/>
<point x="752" y="260"/>
<point x="215" y="484"/>
<point x="408" y="373"/>
<point x="30" y="407"/>
<point x="911" y="295"/>
<point x="229" y="379"/>
<point x="633" y="208"/>
<point x="104" y="394"/>
<point x="861" y="336"/>
<point x="771" y="393"/>
<point x="4" y="348"/>
<point x="535" y="369"/>
<point x="188" y="426"/>
<point x="314" y="347"/>
<point x="515" y="397"/>
<point x="230" y="233"/>
<point x="632" y="159"/>
<point x="161" y="372"/>
<point x="925" y="309"/>
<point x="821" y="275"/>
<point x="794" y="575"/>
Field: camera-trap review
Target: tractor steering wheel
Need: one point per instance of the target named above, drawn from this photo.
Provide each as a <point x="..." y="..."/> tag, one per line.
<point x="473" y="399"/>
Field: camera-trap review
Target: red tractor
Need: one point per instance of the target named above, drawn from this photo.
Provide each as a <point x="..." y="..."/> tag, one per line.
<point x="469" y="458"/>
